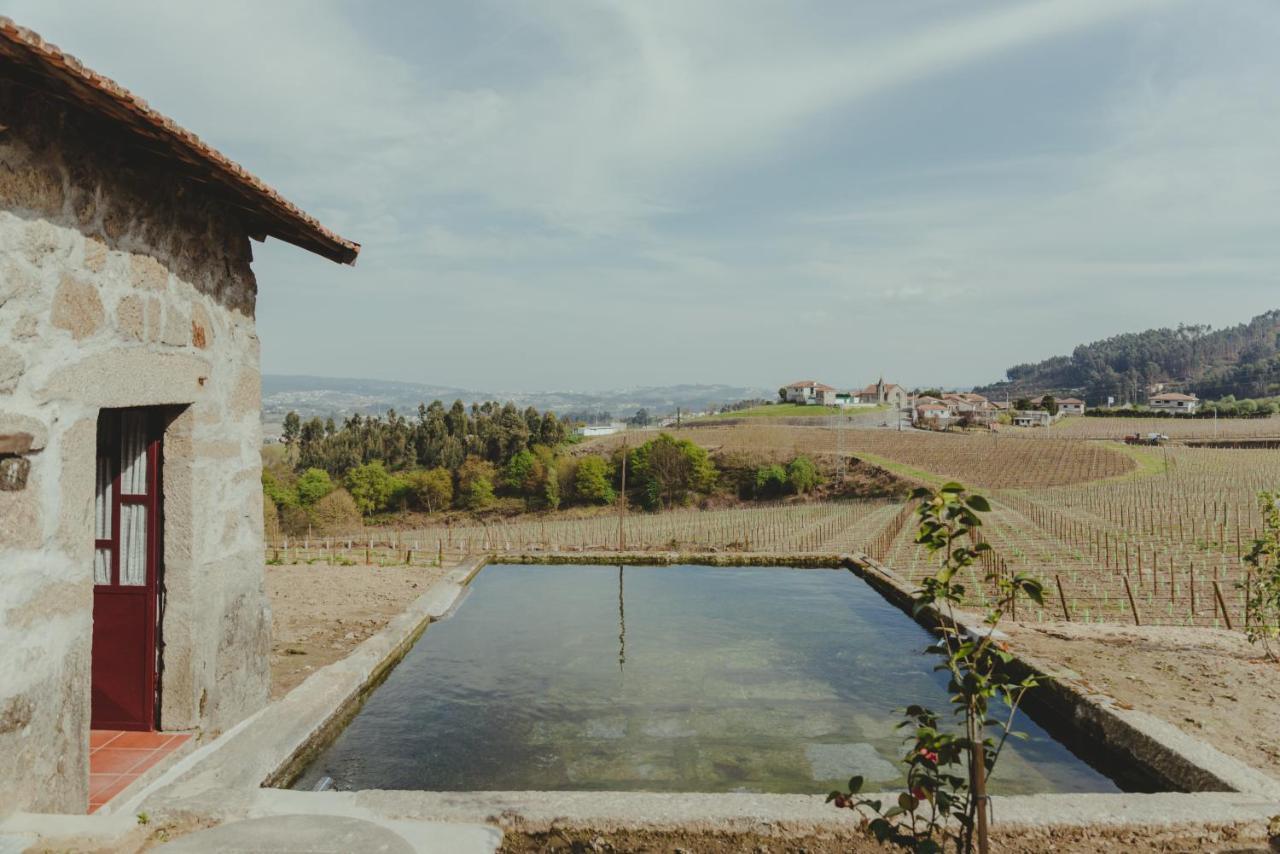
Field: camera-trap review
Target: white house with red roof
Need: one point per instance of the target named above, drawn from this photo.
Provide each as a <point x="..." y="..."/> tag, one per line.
<point x="807" y="392"/>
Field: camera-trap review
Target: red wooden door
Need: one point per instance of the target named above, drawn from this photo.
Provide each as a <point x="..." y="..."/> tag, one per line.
<point x="126" y="569"/>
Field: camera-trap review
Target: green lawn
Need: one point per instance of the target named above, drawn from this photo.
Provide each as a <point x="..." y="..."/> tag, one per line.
<point x="791" y="410"/>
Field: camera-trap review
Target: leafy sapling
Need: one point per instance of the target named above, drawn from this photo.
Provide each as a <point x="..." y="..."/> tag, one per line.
<point x="948" y="767"/>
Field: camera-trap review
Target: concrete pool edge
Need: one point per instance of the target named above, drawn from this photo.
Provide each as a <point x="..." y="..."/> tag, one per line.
<point x="225" y="782"/>
<point x="1179" y="760"/>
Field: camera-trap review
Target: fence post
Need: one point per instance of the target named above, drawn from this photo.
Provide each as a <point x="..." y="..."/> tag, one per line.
<point x="1063" y="597"/>
<point x="1217" y="592"/>
<point x="1133" y="606"/>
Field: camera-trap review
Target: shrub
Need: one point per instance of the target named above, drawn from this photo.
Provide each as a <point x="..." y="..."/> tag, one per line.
<point x="668" y="471"/>
<point x="313" y="485"/>
<point x="335" y="513"/>
<point x="591" y="481"/>
<point x="771" y="481"/>
<point x="802" y="475"/>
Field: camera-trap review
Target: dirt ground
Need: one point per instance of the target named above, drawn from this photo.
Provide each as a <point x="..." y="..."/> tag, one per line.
<point x="1210" y="683"/>
<point x="320" y="613"/>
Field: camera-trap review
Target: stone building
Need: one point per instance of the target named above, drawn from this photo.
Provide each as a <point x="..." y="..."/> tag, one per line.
<point x="131" y="564"/>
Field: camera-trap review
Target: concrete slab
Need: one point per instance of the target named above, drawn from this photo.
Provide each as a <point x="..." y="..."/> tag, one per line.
<point x="335" y="835"/>
<point x="301" y="833"/>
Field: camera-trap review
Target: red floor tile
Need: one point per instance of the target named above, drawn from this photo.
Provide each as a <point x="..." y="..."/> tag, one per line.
<point x="102" y="737"/>
<point x="142" y="740"/>
<point x="117" y="759"/>
<point x="111" y="786"/>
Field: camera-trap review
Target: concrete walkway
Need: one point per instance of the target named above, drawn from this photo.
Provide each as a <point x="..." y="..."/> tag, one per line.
<point x="312" y="834"/>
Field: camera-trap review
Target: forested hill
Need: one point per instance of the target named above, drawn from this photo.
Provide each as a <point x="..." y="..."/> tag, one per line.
<point x="1241" y="360"/>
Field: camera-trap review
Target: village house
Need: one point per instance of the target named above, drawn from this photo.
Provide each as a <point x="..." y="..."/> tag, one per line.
<point x="130" y="437"/>
<point x="1032" y="418"/>
<point x="1071" y="406"/>
<point x="882" y="393"/>
<point x="1172" y="401"/>
<point x="927" y="412"/>
<point x="810" y="392"/>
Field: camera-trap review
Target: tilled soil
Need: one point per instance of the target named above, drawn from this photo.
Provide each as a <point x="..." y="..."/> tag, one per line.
<point x="1210" y="683"/>
<point x="320" y="613"/>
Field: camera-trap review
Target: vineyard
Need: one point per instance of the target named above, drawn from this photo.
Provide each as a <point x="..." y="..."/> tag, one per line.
<point x="986" y="461"/>
<point x="1174" y="428"/>
<point x="1160" y="548"/>
<point x="1137" y="536"/>
<point x="831" y="528"/>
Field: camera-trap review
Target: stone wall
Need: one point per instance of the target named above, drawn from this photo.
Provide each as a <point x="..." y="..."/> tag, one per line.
<point x="119" y="287"/>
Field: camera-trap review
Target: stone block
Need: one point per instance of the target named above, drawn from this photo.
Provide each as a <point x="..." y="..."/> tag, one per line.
<point x="95" y="255"/>
<point x="13" y="473"/>
<point x="34" y="432"/>
<point x="130" y="320"/>
<point x="30" y="187"/>
<point x="77" y="308"/>
<point x="12" y="366"/>
<point x="177" y="327"/>
<point x="201" y="326"/>
<point x="147" y="273"/>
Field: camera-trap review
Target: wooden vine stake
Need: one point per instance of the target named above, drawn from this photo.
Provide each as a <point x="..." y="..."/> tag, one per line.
<point x="1217" y="592"/>
<point x="1133" y="606"/>
<point x="1062" y="596"/>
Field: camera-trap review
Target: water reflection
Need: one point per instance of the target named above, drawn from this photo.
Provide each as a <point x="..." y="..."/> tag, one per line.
<point x="744" y="678"/>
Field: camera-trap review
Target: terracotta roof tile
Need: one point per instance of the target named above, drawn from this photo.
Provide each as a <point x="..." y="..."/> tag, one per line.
<point x="65" y="77"/>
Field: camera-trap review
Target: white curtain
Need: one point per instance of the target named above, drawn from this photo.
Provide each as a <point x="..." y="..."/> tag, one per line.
<point x="133" y="481"/>
<point x="133" y="454"/>
<point x="133" y="544"/>
<point x="102" y="522"/>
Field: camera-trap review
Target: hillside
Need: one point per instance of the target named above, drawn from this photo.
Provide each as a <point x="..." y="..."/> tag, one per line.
<point x="340" y="397"/>
<point x="1241" y="360"/>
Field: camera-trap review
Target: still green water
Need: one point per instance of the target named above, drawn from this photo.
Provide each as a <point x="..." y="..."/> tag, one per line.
<point x="687" y="678"/>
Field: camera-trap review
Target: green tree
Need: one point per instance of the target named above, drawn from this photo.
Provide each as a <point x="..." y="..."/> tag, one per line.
<point x="520" y="474"/>
<point x="431" y="490"/>
<point x="292" y="428"/>
<point x="1022" y="404"/>
<point x="335" y="513"/>
<point x="802" y="474"/>
<point x="313" y="485"/>
<point x="371" y="486"/>
<point x="591" y="481"/>
<point x="669" y="471"/>
<point x="771" y="481"/>
<point x="281" y="494"/>
<point x="1049" y="404"/>
<point x="475" y="483"/>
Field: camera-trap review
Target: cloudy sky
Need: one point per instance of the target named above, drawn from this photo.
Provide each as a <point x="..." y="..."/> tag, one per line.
<point x="584" y="194"/>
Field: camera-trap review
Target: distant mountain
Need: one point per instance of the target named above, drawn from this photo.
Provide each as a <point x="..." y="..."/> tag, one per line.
<point x="340" y="397"/>
<point x="1242" y="360"/>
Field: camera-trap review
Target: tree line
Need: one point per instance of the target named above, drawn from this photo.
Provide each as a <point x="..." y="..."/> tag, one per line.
<point x="1241" y="360"/>
<point x="488" y="457"/>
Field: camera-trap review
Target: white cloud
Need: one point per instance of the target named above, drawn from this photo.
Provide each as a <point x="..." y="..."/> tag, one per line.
<point x="588" y="160"/>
